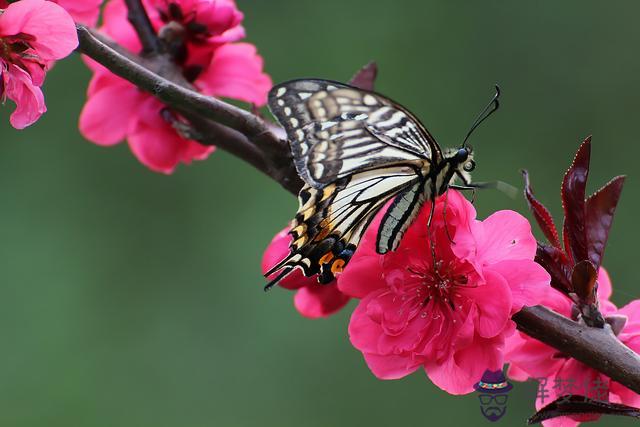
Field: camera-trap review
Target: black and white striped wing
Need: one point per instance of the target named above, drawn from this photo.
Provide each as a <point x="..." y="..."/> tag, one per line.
<point x="336" y="130"/>
<point x="331" y="220"/>
<point x="400" y="215"/>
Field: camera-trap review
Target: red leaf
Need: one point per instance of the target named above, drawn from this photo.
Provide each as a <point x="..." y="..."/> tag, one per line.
<point x="600" y="209"/>
<point x="583" y="280"/>
<point x="579" y="405"/>
<point x="555" y="261"/>
<point x="365" y="77"/>
<point x="541" y="214"/>
<point x="573" y="202"/>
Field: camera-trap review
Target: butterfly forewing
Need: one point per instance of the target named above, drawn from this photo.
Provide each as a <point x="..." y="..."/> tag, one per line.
<point x="336" y="130"/>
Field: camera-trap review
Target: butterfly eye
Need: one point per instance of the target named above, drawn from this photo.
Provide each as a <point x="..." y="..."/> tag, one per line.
<point x="469" y="166"/>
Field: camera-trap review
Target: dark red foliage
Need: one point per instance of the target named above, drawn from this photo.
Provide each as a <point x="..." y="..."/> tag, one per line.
<point x="555" y="261"/>
<point x="580" y="405"/>
<point x="541" y="214"/>
<point x="587" y="222"/>
<point x="365" y="77"/>
<point x="600" y="209"/>
<point x="573" y="191"/>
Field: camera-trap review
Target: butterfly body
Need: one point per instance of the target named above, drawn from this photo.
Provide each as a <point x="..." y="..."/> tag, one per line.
<point x="356" y="150"/>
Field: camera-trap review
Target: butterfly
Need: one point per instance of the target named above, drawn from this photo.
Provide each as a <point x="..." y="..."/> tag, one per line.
<point x="356" y="150"/>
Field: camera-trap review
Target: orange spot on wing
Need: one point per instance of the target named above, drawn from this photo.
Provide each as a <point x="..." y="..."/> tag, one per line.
<point x="326" y="258"/>
<point x="338" y="266"/>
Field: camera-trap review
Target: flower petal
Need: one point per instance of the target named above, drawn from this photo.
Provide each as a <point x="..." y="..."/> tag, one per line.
<point x="154" y="142"/>
<point x="364" y="333"/>
<point x="493" y="301"/>
<point x="100" y="120"/>
<point x="51" y="26"/>
<point x="502" y="236"/>
<point x="362" y="275"/>
<point x="316" y="300"/>
<point x="236" y="72"/>
<point x="459" y="373"/>
<point x="527" y="280"/>
<point x="28" y="98"/>
<point x="604" y="284"/>
<point x="82" y="11"/>
<point x="390" y="367"/>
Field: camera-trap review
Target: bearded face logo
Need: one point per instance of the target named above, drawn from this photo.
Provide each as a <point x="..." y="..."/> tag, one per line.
<point x="492" y="393"/>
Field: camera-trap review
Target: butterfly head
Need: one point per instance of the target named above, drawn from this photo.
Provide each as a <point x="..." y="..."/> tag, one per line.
<point x="461" y="163"/>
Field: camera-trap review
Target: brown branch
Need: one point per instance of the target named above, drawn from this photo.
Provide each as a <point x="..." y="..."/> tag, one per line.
<point x="224" y="125"/>
<point x="263" y="146"/>
<point x="169" y="92"/>
<point x="140" y="21"/>
<point x="595" y="347"/>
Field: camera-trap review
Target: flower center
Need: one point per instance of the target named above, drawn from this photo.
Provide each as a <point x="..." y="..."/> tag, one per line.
<point x="439" y="284"/>
<point x="5" y="50"/>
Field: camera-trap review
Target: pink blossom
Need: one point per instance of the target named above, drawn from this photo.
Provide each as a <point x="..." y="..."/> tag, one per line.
<point x="312" y="299"/>
<point x="33" y="34"/>
<point x="232" y="70"/>
<point x="212" y="21"/>
<point x="560" y="375"/>
<point x="450" y="317"/>
<point x="82" y="11"/>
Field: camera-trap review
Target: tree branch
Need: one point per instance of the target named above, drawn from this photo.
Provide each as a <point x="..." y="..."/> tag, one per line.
<point x="263" y="146"/>
<point x="169" y="92"/>
<point x="224" y="125"/>
<point x="140" y="21"/>
<point x="595" y="347"/>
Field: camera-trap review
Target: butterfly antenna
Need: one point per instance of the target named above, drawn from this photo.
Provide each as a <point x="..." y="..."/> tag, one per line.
<point x="491" y="108"/>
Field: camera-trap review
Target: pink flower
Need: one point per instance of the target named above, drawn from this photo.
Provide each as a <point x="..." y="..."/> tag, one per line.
<point x="312" y="299"/>
<point x="212" y="21"/>
<point x="561" y="375"/>
<point x="231" y="70"/>
<point x="450" y="317"/>
<point x="82" y="11"/>
<point x="33" y="34"/>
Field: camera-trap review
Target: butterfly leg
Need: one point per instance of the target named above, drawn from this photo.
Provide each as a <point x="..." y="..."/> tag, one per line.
<point x="471" y="188"/>
<point x="432" y="243"/>
<point x="444" y="216"/>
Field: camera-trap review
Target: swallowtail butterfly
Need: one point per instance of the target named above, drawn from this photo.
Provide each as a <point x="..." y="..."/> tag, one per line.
<point x="355" y="151"/>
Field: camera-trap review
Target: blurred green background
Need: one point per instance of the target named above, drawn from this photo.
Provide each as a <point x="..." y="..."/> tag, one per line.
<point x="130" y="298"/>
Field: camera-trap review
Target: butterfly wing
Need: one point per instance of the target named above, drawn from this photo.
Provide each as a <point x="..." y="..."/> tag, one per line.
<point x="400" y="215"/>
<point x="331" y="221"/>
<point x="336" y="130"/>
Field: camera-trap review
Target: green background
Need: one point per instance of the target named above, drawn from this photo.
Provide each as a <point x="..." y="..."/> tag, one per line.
<point x="130" y="298"/>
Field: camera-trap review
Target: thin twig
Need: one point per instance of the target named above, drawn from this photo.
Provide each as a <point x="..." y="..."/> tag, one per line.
<point x="258" y="143"/>
<point x="140" y="21"/>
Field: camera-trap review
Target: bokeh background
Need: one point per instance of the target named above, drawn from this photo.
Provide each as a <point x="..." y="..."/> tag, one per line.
<point x="130" y="298"/>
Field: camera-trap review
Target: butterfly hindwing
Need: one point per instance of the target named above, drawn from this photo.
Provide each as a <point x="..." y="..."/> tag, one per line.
<point x="400" y="215"/>
<point x="336" y="130"/>
<point x="331" y="221"/>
